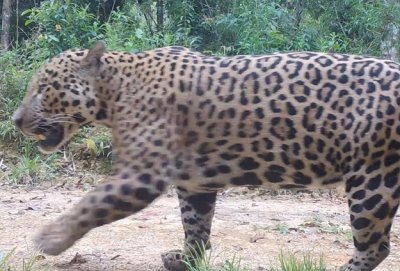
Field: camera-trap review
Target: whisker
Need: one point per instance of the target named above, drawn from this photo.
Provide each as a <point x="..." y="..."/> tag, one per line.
<point x="60" y="117"/>
<point x="61" y="121"/>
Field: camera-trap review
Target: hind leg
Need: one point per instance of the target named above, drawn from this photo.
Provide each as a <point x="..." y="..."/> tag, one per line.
<point x="197" y="211"/>
<point x="373" y="202"/>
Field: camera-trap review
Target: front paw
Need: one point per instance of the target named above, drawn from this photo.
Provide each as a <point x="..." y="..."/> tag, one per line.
<point x="173" y="260"/>
<point x="55" y="238"/>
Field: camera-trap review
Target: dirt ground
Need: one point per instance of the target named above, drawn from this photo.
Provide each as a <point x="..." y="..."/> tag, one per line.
<point x="247" y="224"/>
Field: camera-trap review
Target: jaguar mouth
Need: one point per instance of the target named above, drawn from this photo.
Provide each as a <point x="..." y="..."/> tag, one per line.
<point x="40" y="137"/>
<point x="50" y="137"/>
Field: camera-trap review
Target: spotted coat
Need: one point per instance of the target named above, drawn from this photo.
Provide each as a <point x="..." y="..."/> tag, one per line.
<point x="204" y="123"/>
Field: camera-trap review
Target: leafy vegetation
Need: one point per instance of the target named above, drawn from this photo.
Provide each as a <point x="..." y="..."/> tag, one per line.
<point x="45" y="28"/>
<point x="59" y="26"/>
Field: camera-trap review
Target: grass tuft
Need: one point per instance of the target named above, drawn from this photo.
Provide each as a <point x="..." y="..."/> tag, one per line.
<point x="292" y="262"/>
<point x="203" y="260"/>
<point x="27" y="264"/>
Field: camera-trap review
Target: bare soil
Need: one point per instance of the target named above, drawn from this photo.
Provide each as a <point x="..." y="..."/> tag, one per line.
<point x="251" y="225"/>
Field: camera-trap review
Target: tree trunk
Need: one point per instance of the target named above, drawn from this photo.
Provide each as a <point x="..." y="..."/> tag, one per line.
<point x="5" y="24"/>
<point x="160" y="16"/>
<point x="390" y="45"/>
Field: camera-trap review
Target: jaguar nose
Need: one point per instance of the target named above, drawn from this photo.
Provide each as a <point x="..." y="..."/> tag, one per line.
<point x="17" y="120"/>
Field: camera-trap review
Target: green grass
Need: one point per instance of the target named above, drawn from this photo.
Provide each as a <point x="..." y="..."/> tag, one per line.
<point x="28" y="264"/>
<point x="203" y="260"/>
<point x="33" y="170"/>
<point x="89" y="153"/>
<point x="293" y="262"/>
<point x="8" y="132"/>
<point x="28" y="166"/>
<point x="200" y="260"/>
<point x="282" y="228"/>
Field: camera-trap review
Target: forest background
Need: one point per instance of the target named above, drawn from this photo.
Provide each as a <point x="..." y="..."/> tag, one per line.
<point x="33" y="31"/>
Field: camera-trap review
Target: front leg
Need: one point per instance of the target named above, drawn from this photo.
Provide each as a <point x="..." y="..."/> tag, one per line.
<point x="197" y="211"/>
<point x="142" y="161"/>
<point x="107" y="203"/>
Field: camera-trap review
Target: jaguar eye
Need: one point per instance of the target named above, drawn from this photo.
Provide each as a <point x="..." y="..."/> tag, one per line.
<point x="35" y="101"/>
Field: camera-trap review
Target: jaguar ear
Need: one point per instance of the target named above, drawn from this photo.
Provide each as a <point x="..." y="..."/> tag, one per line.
<point x="91" y="63"/>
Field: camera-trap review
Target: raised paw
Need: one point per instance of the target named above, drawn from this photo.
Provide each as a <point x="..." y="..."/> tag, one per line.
<point x="55" y="238"/>
<point x="173" y="260"/>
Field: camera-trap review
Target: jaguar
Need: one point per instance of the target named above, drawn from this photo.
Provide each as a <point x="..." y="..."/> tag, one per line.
<point x="204" y="123"/>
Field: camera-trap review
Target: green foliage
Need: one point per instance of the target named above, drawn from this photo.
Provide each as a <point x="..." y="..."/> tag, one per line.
<point x="353" y="26"/>
<point x="291" y="262"/>
<point x="282" y="228"/>
<point x="219" y="27"/>
<point x="13" y="79"/>
<point x="5" y="259"/>
<point x="129" y="29"/>
<point x="30" y="264"/>
<point x="61" y="25"/>
<point x="32" y="167"/>
<point x="202" y="260"/>
<point x="253" y="27"/>
<point x="102" y="145"/>
<point x="260" y="26"/>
